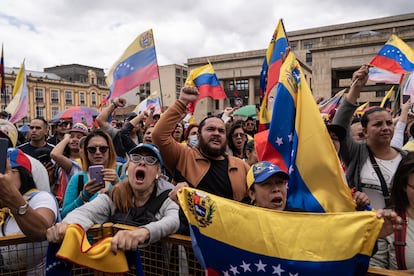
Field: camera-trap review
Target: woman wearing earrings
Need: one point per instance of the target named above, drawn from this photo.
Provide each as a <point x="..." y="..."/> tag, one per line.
<point x="139" y="200"/>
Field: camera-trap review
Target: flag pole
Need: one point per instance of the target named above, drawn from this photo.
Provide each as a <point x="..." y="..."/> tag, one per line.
<point x="3" y="75"/>
<point x="159" y="76"/>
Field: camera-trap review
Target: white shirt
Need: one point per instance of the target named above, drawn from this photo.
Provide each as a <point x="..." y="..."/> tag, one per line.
<point x="370" y="182"/>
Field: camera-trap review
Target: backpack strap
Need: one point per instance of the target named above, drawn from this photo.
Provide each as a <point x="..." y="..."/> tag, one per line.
<point x="156" y="204"/>
<point x="80" y="183"/>
<point x="399" y="243"/>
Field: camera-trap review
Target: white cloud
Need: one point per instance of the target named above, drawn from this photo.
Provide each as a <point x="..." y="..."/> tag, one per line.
<point x="49" y="32"/>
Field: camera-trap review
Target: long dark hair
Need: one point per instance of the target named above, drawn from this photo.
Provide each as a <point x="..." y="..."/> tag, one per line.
<point x="236" y="125"/>
<point x="26" y="180"/>
<point x="399" y="187"/>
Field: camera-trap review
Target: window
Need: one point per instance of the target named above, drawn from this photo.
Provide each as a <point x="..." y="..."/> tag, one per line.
<point x="40" y="111"/>
<point x="177" y="71"/>
<point x="54" y="111"/>
<point x="8" y="95"/>
<point x="82" y="100"/>
<point x="54" y="96"/>
<point x="93" y="98"/>
<point x="307" y="45"/>
<point x="185" y="74"/>
<point x="177" y="80"/>
<point x="39" y="95"/>
<point x="217" y="104"/>
<point x="380" y="94"/>
<point x="309" y="59"/>
<point x="68" y="97"/>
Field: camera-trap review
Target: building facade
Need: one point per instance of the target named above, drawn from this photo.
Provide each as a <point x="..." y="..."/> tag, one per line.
<point x="328" y="55"/>
<point x="50" y="93"/>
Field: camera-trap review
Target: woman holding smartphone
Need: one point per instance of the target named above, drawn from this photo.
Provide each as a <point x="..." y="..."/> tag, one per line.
<point x="98" y="149"/>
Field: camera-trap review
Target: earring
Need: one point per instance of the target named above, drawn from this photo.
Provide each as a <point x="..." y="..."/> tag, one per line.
<point x="126" y="173"/>
<point x="157" y="176"/>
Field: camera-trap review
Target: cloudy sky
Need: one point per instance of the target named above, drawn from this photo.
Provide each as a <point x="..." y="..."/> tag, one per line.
<point x="90" y="32"/>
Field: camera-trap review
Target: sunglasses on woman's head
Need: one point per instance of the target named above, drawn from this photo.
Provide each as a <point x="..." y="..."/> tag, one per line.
<point x="101" y="149"/>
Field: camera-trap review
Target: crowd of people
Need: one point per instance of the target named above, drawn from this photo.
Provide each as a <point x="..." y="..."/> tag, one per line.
<point x="147" y="159"/>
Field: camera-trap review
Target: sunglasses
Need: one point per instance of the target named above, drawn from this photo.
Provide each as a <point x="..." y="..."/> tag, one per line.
<point x="101" y="149"/>
<point x="361" y="135"/>
<point x="235" y="135"/>
<point x="148" y="159"/>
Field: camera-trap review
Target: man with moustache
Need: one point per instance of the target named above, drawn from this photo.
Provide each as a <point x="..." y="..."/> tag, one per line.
<point x="207" y="167"/>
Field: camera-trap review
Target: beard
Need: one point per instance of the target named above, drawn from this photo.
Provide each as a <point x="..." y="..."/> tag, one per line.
<point x="207" y="150"/>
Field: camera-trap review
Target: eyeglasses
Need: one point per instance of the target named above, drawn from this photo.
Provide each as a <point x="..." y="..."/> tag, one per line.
<point x="250" y="124"/>
<point x="148" y="159"/>
<point x="241" y="135"/>
<point x="101" y="149"/>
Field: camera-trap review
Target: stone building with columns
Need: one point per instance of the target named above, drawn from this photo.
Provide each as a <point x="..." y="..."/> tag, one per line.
<point x="328" y="55"/>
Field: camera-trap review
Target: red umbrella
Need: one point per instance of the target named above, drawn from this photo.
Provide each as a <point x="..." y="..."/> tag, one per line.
<point x="78" y="114"/>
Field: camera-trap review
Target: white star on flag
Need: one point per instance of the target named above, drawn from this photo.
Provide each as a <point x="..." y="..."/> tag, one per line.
<point x="261" y="266"/>
<point x="246" y="267"/>
<point x="234" y="270"/>
<point x="279" y="141"/>
<point x="277" y="269"/>
<point x="290" y="136"/>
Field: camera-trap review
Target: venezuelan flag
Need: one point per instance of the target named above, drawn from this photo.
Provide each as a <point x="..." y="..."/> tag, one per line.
<point x="269" y="75"/>
<point x="330" y="104"/>
<point x="137" y="65"/>
<point x="395" y="56"/>
<point x="207" y="83"/>
<point x="231" y="238"/>
<point x="386" y="100"/>
<point x="19" y="105"/>
<point x="298" y="142"/>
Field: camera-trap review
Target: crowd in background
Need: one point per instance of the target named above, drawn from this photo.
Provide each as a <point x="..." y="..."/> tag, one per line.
<point x="145" y="160"/>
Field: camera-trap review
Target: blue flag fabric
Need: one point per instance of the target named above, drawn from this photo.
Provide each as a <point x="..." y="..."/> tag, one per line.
<point x="232" y="238"/>
<point x="299" y="143"/>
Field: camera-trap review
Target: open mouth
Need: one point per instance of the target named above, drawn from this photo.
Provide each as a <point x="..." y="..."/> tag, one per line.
<point x="277" y="200"/>
<point x="140" y="175"/>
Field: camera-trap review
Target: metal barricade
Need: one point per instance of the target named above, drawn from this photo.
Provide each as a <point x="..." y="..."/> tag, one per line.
<point x="173" y="255"/>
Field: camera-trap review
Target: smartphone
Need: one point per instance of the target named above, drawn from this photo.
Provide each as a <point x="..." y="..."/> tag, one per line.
<point x="44" y="158"/>
<point x="4" y="145"/>
<point x="95" y="172"/>
<point x="406" y="98"/>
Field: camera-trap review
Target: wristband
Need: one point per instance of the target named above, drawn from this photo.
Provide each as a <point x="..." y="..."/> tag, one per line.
<point x="85" y="196"/>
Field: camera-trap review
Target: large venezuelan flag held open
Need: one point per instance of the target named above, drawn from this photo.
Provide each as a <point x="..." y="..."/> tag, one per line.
<point x="299" y="143"/>
<point x="232" y="238"/>
<point x="137" y="65"/>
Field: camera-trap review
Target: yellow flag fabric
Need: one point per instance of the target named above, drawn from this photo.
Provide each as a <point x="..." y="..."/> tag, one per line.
<point x="225" y="233"/>
<point x="77" y="249"/>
